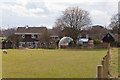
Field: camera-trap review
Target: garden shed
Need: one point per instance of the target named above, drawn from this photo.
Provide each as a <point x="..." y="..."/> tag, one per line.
<point x="108" y="38"/>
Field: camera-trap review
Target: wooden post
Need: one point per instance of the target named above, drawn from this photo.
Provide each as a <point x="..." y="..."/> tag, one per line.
<point x="104" y="58"/>
<point x="107" y="65"/>
<point x="100" y="72"/>
<point x="109" y="53"/>
<point x="104" y="70"/>
<point x="108" y="46"/>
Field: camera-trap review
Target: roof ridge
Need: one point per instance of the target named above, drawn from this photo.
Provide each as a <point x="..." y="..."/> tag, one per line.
<point x="30" y="30"/>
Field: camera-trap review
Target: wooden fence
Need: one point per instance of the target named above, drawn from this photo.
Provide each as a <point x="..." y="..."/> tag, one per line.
<point x="103" y="68"/>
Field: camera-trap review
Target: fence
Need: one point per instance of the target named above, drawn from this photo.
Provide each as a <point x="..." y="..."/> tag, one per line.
<point x="103" y="69"/>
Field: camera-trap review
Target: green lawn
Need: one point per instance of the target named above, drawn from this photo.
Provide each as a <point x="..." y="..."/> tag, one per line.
<point x="54" y="63"/>
<point x="114" y="63"/>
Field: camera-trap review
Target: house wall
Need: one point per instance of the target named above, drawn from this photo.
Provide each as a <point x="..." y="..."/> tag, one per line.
<point x="29" y="40"/>
<point x="108" y="39"/>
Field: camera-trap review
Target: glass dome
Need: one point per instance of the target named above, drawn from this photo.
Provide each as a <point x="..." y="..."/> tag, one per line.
<point x="65" y="41"/>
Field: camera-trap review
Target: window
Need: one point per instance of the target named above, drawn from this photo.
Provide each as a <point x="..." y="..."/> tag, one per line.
<point x="22" y="43"/>
<point x="33" y="36"/>
<point x="29" y="43"/>
<point x="23" y="36"/>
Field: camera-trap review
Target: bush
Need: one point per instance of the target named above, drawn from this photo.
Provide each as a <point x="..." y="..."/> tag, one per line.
<point x="97" y="41"/>
<point x="71" y="44"/>
<point x="114" y="44"/>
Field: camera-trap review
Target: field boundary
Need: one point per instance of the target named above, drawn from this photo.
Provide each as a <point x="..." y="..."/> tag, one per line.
<point x="103" y="68"/>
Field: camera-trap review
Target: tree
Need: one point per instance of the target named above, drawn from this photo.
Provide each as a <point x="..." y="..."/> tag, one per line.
<point x="7" y="32"/>
<point x="115" y="25"/>
<point x="45" y="37"/>
<point x="115" y="20"/>
<point x="72" y="21"/>
<point x="58" y="31"/>
<point x="71" y="32"/>
<point x="15" y="39"/>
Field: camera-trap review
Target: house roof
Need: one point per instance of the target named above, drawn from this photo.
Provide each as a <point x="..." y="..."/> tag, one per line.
<point x="83" y="40"/>
<point x="110" y="38"/>
<point x="30" y="30"/>
<point x="111" y="35"/>
<point x="97" y="26"/>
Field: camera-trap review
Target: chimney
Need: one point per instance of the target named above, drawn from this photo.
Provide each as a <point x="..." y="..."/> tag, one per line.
<point x="26" y="26"/>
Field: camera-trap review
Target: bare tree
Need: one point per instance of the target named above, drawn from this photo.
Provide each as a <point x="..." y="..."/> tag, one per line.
<point x="115" y="23"/>
<point x="8" y="32"/>
<point x="58" y="31"/>
<point x="72" y="20"/>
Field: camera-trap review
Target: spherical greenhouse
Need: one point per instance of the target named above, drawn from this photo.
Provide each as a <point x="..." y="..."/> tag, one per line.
<point x="65" y="41"/>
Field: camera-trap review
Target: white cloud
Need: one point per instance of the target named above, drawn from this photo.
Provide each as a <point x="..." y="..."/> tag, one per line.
<point x="22" y="10"/>
<point x="78" y="1"/>
<point x="47" y="10"/>
<point x="100" y="17"/>
<point x="0" y="17"/>
<point x="37" y="10"/>
<point x="96" y="12"/>
<point x="53" y="7"/>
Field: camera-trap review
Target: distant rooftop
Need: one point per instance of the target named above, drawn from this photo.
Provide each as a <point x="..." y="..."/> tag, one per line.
<point x="30" y="30"/>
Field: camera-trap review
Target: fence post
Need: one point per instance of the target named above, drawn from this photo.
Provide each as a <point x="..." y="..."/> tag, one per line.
<point x="108" y="46"/>
<point x="100" y="72"/>
<point x="104" y="70"/>
<point x="107" y="65"/>
<point x="109" y="53"/>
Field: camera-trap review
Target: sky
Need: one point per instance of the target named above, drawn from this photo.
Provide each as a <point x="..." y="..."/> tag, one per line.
<point x="35" y="13"/>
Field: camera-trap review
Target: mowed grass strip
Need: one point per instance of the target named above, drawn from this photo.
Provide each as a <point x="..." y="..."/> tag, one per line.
<point x="55" y="63"/>
<point x="114" y="63"/>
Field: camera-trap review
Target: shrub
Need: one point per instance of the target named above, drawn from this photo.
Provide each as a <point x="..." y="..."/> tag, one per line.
<point x="115" y="44"/>
<point x="97" y="41"/>
<point x="71" y="44"/>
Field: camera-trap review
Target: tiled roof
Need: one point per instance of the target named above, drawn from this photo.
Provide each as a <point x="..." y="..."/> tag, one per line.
<point x="112" y="35"/>
<point x="25" y="30"/>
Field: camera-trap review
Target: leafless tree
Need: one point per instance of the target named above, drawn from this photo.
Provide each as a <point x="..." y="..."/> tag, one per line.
<point x="7" y="32"/>
<point x="72" y="20"/>
<point x="58" y="31"/>
<point x="115" y="23"/>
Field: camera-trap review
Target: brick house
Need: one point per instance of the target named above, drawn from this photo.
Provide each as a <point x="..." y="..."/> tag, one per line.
<point x="30" y="36"/>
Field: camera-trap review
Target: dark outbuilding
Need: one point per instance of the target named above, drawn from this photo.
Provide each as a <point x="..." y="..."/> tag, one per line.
<point x="109" y="37"/>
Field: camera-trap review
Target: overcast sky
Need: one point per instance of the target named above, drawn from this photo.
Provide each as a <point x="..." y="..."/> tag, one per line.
<point x="15" y="13"/>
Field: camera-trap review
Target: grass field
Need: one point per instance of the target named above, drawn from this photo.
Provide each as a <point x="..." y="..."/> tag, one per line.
<point x="54" y="63"/>
<point x="114" y="63"/>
